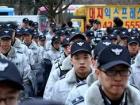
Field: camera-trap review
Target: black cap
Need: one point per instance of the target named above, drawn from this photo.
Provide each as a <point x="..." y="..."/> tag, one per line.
<point x="116" y="32"/>
<point x="25" y="20"/>
<point x="56" y="39"/>
<point x="42" y="37"/>
<point x="36" y="25"/>
<point x="133" y="39"/>
<point x="113" y="55"/>
<point x="112" y="36"/>
<point x="77" y="35"/>
<point x="79" y="46"/>
<point x="10" y="73"/>
<point x="105" y="37"/>
<point x="10" y="25"/>
<point x="18" y="32"/>
<point x="31" y="23"/>
<point x="90" y="33"/>
<point x="5" y="33"/>
<point x="60" y="32"/>
<point x="100" y="46"/>
<point x="67" y="32"/>
<point x="124" y="34"/>
<point x="65" y="42"/>
<point x="35" y="34"/>
<point x="135" y="32"/>
<point x="27" y="31"/>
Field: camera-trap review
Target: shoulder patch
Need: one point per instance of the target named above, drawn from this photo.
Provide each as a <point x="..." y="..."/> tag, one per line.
<point x="80" y="83"/>
<point x="78" y="100"/>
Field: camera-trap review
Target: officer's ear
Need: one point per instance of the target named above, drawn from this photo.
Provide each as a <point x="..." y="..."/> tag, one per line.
<point x="71" y="59"/>
<point x="97" y="72"/>
<point x="94" y="61"/>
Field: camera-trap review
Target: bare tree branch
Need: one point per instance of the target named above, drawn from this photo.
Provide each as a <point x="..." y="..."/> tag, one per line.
<point x="57" y="6"/>
<point x="61" y="10"/>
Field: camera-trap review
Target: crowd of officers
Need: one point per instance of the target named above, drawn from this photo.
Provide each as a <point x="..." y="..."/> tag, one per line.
<point x="65" y="66"/>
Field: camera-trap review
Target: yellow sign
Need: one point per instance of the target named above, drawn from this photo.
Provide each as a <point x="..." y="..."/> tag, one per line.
<point x="130" y="14"/>
<point x="78" y="23"/>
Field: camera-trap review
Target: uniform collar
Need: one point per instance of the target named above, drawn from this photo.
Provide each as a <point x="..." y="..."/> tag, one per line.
<point x="107" y="101"/>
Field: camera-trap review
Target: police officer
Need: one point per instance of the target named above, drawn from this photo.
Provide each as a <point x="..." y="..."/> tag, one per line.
<point x="41" y="50"/>
<point x="18" y="34"/>
<point x="55" y="50"/>
<point x="27" y="34"/>
<point x="96" y="25"/>
<point x="42" y="40"/>
<point x="134" y="77"/>
<point x="61" y="67"/>
<point x="81" y="61"/>
<point x="35" y="36"/>
<point x="18" y="44"/>
<point x="98" y="32"/>
<point x="18" y="58"/>
<point x="76" y="96"/>
<point x="10" y="83"/>
<point x="112" y="88"/>
<point x="135" y="32"/>
<point x="123" y="37"/>
<point x="89" y="37"/>
<point x="66" y="48"/>
<point x="113" y="38"/>
<point x="25" y="23"/>
<point x="133" y="47"/>
<point x="61" y="34"/>
<point x="20" y="47"/>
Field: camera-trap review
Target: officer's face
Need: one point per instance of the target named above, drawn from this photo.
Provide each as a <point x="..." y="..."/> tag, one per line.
<point x="8" y="95"/>
<point x="25" y="25"/>
<point x="114" y="41"/>
<point x="27" y="38"/>
<point x="81" y="62"/>
<point x="133" y="48"/>
<point x="42" y="42"/>
<point x="67" y="50"/>
<point x="114" y="83"/>
<point x="56" y="45"/>
<point x="62" y="37"/>
<point x="88" y="39"/>
<point x="5" y="45"/>
<point x="123" y="42"/>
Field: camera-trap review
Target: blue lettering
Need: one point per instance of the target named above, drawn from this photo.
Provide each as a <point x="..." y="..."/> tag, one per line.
<point x="132" y="13"/>
<point x="124" y="11"/>
<point x="116" y="11"/>
<point x="108" y="12"/>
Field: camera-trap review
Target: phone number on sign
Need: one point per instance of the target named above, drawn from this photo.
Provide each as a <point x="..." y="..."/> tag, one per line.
<point x="127" y="24"/>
